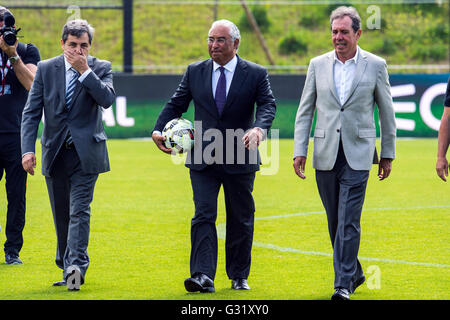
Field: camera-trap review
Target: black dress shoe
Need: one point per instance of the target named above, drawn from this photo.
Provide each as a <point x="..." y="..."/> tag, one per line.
<point x="200" y="282"/>
<point x="12" y="259"/>
<point x="240" y="284"/>
<point x="356" y="284"/>
<point x="340" y="294"/>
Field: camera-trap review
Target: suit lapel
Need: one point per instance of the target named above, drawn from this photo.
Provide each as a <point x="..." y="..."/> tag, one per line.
<point x="360" y="68"/>
<point x="239" y="76"/>
<point x="61" y="79"/>
<point x="330" y="72"/>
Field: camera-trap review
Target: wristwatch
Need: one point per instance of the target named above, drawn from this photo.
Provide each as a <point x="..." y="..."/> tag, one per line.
<point x="14" y="59"/>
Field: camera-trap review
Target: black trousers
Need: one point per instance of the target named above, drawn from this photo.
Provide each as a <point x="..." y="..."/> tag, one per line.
<point x="15" y="184"/>
<point x="240" y="209"/>
<point x="342" y="191"/>
<point x="71" y="192"/>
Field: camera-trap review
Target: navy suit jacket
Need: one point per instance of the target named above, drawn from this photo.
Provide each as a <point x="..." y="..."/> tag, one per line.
<point x="250" y="86"/>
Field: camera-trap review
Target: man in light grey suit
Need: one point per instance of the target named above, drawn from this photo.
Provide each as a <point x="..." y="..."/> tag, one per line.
<point x="70" y="89"/>
<point x="343" y="86"/>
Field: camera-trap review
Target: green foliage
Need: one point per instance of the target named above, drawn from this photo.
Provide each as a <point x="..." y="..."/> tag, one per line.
<point x="423" y="8"/>
<point x="174" y="35"/>
<point x="311" y="19"/>
<point x="434" y="52"/>
<point x="260" y="14"/>
<point x="439" y="31"/>
<point x="293" y="43"/>
<point x="388" y="47"/>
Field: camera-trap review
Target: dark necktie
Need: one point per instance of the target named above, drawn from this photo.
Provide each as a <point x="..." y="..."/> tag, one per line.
<point x="221" y="91"/>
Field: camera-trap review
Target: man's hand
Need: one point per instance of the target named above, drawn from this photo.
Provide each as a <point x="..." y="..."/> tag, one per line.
<point x="442" y="168"/>
<point x="29" y="163"/>
<point x="77" y="60"/>
<point x="384" y="168"/>
<point x="159" y="141"/>
<point x="252" y="138"/>
<point x="10" y="51"/>
<point x="443" y="143"/>
<point x="299" y="166"/>
<point x="24" y="73"/>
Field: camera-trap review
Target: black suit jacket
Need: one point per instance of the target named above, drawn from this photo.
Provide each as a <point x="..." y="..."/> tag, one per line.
<point x="250" y="86"/>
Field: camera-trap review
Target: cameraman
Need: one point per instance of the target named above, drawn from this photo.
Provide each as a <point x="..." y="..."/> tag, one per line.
<point x="18" y="65"/>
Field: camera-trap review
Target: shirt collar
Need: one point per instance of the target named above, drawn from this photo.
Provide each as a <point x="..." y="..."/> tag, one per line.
<point x="230" y="66"/>
<point x="355" y="58"/>
<point x="67" y="64"/>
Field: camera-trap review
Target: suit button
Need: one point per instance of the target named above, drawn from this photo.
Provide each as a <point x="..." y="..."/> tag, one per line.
<point x="337" y="130"/>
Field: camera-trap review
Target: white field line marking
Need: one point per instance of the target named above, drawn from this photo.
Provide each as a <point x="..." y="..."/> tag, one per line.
<point x="221" y="235"/>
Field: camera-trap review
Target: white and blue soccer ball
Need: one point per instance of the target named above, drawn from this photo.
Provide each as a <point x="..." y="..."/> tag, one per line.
<point x="179" y="134"/>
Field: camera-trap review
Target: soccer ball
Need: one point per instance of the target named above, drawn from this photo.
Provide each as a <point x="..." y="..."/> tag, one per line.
<point x="179" y="134"/>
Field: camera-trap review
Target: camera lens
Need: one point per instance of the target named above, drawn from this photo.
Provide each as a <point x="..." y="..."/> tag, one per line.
<point x="10" y="38"/>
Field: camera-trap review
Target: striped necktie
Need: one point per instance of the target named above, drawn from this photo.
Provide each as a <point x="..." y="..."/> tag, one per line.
<point x="71" y="87"/>
<point x="69" y="95"/>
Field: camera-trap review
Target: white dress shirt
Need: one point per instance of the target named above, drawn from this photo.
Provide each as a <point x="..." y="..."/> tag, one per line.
<point x="230" y="67"/>
<point x="344" y="73"/>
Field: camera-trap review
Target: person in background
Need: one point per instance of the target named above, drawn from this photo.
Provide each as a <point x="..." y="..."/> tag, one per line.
<point x="18" y="64"/>
<point x="444" y="138"/>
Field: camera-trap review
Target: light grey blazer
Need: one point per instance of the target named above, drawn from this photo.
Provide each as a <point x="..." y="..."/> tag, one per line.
<point x="354" y="120"/>
<point x="83" y="119"/>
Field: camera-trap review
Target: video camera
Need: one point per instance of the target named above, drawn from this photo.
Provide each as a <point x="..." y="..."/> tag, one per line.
<point x="9" y="31"/>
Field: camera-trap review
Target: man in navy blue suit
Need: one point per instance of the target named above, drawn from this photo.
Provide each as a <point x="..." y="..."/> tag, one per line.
<point x="224" y="90"/>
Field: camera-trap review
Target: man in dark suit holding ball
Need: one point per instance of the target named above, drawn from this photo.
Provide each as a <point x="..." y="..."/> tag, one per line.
<point x="224" y="89"/>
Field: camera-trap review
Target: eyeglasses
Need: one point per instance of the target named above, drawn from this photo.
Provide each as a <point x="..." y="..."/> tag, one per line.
<point x="220" y="40"/>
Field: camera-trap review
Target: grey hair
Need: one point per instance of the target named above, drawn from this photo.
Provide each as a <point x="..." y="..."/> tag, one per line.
<point x="76" y="28"/>
<point x="2" y="12"/>
<point x="234" y="31"/>
<point x="350" y="12"/>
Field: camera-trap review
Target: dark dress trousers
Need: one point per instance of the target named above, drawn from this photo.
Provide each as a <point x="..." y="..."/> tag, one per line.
<point x="15" y="185"/>
<point x="342" y="191"/>
<point x="232" y="167"/>
<point x="70" y="172"/>
<point x="13" y="97"/>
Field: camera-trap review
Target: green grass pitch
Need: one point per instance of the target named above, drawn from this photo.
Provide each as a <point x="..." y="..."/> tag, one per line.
<point x="140" y="233"/>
